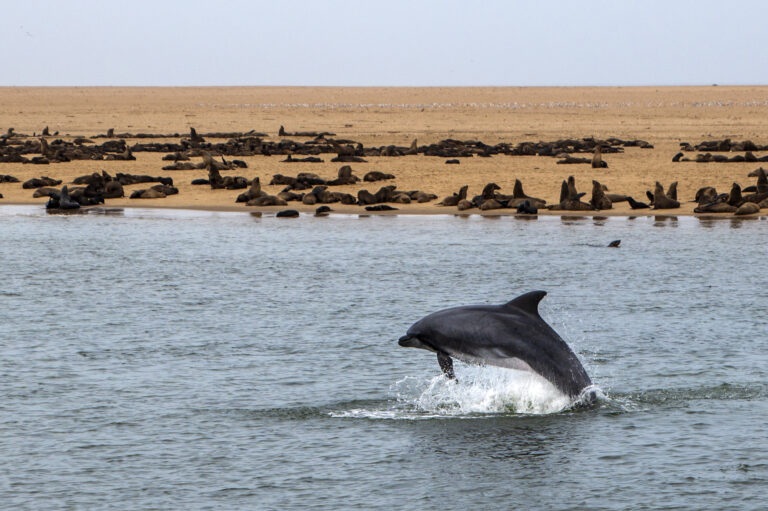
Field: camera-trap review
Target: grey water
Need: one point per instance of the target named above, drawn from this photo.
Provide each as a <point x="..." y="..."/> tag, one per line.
<point x="154" y="359"/>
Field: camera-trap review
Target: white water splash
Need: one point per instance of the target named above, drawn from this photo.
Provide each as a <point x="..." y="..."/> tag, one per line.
<point x="483" y="390"/>
<point x="480" y="391"/>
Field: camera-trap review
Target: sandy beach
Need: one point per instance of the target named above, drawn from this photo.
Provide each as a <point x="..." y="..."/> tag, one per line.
<point x="663" y="116"/>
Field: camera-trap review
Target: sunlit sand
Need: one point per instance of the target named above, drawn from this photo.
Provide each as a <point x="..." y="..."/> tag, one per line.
<point x="662" y="116"/>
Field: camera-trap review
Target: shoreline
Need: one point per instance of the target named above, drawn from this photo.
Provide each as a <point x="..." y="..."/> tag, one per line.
<point x="433" y="212"/>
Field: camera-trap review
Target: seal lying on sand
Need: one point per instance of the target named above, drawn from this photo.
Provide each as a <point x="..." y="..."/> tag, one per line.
<point x="454" y="199"/>
<point x="717" y="205"/>
<point x="748" y="208"/>
<point x="511" y="335"/>
<point x="636" y="204"/>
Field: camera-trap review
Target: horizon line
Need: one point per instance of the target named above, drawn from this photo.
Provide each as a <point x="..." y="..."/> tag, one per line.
<point x="401" y="86"/>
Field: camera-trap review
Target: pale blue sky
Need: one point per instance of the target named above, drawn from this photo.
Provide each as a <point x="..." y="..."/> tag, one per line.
<point x="337" y="42"/>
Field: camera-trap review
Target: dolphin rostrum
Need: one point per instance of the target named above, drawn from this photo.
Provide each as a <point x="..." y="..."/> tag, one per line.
<point x="511" y="335"/>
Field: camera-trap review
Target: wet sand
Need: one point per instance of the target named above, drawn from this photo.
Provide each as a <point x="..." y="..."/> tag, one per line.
<point x="663" y="116"/>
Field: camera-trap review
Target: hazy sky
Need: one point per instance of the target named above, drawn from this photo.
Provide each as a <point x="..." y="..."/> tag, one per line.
<point x="336" y="42"/>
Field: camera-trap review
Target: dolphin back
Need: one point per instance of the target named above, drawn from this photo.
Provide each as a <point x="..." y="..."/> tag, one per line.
<point x="511" y="335"/>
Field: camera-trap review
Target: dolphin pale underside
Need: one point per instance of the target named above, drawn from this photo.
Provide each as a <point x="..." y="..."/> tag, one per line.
<point x="512" y="335"/>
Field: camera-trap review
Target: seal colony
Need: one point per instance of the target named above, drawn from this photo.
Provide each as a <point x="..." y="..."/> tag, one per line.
<point x="512" y="161"/>
<point x="309" y="189"/>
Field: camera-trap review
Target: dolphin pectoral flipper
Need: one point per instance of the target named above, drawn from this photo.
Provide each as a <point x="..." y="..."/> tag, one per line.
<point x="446" y="365"/>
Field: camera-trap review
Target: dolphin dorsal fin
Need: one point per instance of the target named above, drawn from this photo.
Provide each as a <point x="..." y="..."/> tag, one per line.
<point x="528" y="302"/>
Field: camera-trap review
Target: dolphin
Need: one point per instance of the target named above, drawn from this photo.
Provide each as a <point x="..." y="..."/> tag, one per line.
<point x="510" y="335"/>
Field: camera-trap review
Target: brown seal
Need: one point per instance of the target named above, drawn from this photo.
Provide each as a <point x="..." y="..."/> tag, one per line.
<point x="375" y="175"/>
<point x="569" y="198"/>
<point x="572" y="188"/>
<point x="365" y="197"/>
<point x="489" y="191"/>
<point x="253" y="193"/>
<point x="660" y="199"/>
<point x="151" y="193"/>
<point x="718" y="205"/>
<point x="597" y="159"/>
<point x="748" y="208"/>
<point x="616" y="197"/>
<point x="519" y="197"/>
<point x="422" y="197"/>
<point x="454" y="199"/>
<point x="599" y="200"/>
<point x="705" y="195"/>
<point x="344" y="177"/>
<point x="464" y="205"/>
<point x="488" y="194"/>
<point x="571" y="205"/>
<point x="490" y="204"/>
<point x="636" y="204"/>
<point x="734" y="198"/>
<point x="762" y="181"/>
<point x="266" y="200"/>
<point x="672" y="191"/>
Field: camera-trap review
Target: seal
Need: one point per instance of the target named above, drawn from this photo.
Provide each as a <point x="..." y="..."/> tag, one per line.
<point x="718" y="205"/>
<point x="454" y="199"/>
<point x="599" y="200"/>
<point x="660" y="199"/>
<point x="570" y="198"/>
<point x="734" y="197"/>
<point x="705" y="195"/>
<point x="748" y="208"/>
<point x="597" y="158"/>
<point x="62" y="200"/>
<point x="527" y="208"/>
<point x="519" y="196"/>
<point x="672" y="191"/>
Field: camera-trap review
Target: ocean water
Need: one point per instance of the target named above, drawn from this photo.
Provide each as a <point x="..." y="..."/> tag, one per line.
<point x="192" y="360"/>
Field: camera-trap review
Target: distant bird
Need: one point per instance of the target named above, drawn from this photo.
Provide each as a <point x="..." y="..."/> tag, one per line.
<point x="614" y="244"/>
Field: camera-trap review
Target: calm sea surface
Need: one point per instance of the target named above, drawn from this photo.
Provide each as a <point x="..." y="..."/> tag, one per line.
<point x="195" y="360"/>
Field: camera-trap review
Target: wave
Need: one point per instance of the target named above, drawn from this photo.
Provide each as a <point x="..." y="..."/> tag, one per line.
<point x="673" y="396"/>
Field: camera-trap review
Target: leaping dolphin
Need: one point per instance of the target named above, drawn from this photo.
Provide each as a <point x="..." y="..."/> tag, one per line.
<point x="511" y="335"/>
